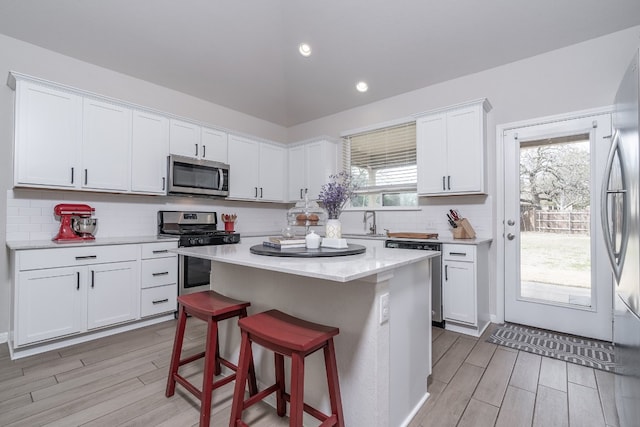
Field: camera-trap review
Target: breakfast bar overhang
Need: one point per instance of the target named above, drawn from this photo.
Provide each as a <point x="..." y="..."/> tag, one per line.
<point x="383" y="364"/>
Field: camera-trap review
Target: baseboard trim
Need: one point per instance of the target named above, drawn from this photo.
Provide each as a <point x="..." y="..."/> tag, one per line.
<point x="4" y="337"/>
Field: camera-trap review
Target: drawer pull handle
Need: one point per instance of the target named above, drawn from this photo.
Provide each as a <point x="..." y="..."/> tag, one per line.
<point x="161" y="251"/>
<point x="164" y="273"/>
<point x="458" y="253"/>
<point x="80" y="258"/>
<point x="160" y="301"/>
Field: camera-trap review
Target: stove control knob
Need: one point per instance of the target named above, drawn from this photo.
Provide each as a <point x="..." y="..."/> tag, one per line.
<point x="201" y="241"/>
<point x="192" y="242"/>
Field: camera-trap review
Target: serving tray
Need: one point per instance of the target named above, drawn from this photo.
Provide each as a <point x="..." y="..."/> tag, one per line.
<point x="321" y="252"/>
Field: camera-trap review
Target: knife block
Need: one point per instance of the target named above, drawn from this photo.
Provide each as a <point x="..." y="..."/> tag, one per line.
<point x="464" y="230"/>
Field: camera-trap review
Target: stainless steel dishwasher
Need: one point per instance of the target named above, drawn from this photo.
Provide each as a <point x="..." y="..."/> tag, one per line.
<point x="436" y="274"/>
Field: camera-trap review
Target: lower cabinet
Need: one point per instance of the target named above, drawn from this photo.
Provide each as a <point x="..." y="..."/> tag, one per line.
<point x="465" y="287"/>
<point x="100" y="287"/>
<point x="112" y="294"/>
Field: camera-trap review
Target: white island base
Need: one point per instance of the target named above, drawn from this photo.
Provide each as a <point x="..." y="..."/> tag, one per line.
<point x="383" y="366"/>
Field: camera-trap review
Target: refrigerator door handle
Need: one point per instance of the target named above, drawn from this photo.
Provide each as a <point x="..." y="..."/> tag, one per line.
<point x="615" y="258"/>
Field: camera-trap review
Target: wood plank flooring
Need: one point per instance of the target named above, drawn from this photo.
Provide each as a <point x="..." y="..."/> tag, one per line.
<point x="120" y="381"/>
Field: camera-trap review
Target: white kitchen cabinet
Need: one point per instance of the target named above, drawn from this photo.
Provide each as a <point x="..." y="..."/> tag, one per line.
<point x="451" y="150"/>
<point x="310" y="166"/>
<point x="89" y="288"/>
<point x="190" y="140"/>
<point x="48" y="135"/>
<point x="184" y="138"/>
<point x="48" y="304"/>
<point x="106" y="146"/>
<point x="257" y="170"/>
<point x="158" y="279"/>
<point x="465" y="288"/>
<point x="113" y="294"/>
<point x="214" y="145"/>
<point x="149" y="151"/>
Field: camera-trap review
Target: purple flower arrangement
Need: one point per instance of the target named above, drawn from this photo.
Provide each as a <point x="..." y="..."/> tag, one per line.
<point x="335" y="194"/>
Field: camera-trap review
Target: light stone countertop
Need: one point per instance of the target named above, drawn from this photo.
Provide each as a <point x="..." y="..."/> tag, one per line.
<point x="99" y="241"/>
<point x="350" y="236"/>
<point x="338" y="269"/>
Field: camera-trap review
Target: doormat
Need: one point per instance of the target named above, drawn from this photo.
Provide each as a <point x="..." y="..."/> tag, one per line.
<point x="581" y="351"/>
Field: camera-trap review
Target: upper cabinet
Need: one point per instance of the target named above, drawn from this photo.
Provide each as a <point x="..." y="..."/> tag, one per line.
<point x="149" y="149"/>
<point x="106" y="145"/>
<point x="256" y="170"/>
<point x="190" y="140"/>
<point x="451" y="150"/>
<point x="48" y="134"/>
<point x="310" y="165"/>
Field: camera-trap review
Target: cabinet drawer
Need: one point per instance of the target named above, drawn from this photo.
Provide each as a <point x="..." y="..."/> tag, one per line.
<point x="157" y="272"/>
<point x="459" y="253"/>
<point x="161" y="299"/>
<point x="158" y="250"/>
<point x="66" y="257"/>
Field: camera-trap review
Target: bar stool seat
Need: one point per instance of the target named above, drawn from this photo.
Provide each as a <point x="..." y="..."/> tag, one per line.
<point x="211" y="307"/>
<point x="286" y="335"/>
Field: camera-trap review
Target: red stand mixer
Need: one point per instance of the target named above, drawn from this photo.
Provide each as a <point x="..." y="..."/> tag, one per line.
<point x="76" y="223"/>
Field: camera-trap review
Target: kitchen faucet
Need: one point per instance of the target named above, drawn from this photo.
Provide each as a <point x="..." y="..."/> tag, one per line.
<point x="372" y="226"/>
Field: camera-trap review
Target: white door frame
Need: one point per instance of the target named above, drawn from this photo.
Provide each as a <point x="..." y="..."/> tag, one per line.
<point x="500" y="202"/>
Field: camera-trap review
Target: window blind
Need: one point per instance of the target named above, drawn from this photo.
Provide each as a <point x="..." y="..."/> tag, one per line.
<point x="382" y="159"/>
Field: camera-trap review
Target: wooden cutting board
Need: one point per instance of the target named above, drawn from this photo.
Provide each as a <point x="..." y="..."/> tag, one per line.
<point x="413" y="235"/>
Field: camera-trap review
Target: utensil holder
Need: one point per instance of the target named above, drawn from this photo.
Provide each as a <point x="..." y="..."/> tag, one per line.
<point x="464" y="230"/>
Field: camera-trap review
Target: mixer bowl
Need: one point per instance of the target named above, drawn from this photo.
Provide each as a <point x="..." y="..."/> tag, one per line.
<point x="84" y="226"/>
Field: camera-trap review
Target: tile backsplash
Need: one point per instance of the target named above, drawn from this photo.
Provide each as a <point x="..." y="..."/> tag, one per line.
<point x="30" y="214"/>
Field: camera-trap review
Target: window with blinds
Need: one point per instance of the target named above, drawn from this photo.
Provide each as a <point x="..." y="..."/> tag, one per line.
<point x="383" y="163"/>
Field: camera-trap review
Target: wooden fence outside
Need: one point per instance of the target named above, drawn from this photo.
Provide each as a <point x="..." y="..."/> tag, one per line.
<point x="571" y="222"/>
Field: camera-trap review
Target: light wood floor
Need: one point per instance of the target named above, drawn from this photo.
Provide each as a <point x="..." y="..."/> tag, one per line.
<point x="120" y="380"/>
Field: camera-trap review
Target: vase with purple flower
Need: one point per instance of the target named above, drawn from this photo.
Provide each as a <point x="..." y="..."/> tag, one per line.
<point x="334" y="196"/>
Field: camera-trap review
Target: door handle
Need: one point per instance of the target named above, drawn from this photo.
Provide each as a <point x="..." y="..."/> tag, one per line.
<point x="443" y="186"/>
<point x="93" y="279"/>
<point x="511" y="236"/>
<point x="85" y="177"/>
<point x="448" y="182"/>
<point x="163" y="183"/>
<point x="78" y="280"/>
<point x="72" y="175"/>
<point x="204" y="150"/>
<point x="196" y="150"/>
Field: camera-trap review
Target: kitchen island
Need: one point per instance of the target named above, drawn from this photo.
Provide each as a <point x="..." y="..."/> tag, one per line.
<point x="383" y="364"/>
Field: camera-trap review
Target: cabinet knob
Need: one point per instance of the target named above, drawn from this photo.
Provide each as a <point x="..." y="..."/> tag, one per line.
<point x="510" y="236"/>
<point x="511" y="222"/>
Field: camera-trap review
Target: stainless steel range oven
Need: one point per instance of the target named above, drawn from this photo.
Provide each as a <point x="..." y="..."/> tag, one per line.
<point x="194" y="229"/>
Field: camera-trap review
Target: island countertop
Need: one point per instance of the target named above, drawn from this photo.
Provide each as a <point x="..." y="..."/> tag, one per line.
<point x="339" y="269"/>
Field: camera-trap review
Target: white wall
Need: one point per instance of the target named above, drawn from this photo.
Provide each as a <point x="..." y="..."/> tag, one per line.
<point x="575" y="78"/>
<point x="29" y="59"/>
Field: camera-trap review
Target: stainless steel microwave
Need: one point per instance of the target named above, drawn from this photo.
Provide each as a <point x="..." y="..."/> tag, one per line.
<point x="197" y="177"/>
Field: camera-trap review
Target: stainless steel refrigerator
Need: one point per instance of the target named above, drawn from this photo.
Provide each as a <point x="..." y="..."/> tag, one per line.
<point x="621" y="224"/>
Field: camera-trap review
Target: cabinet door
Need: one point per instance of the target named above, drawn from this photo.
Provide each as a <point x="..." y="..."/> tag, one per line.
<point x="106" y="146"/>
<point x="49" y="304"/>
<point x="48" y="132"/>
<point x="214" y="145"/>
<point x="272" y="164"/>
<point x="321" y="161"/>
<point x="459" y="292"/>
<point x="297" y="182"/>
<point x="431" y="151"/>
<point x="113" y="294"/>
<point x="184" y="138"/>
<point x="244" y="162"/>
<point x="149" y="151"/>
<point x="465" y="150"/>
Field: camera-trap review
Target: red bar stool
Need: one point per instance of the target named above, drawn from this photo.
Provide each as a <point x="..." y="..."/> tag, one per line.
<point x="287" y="336"/>
<point x="212" y="308"/>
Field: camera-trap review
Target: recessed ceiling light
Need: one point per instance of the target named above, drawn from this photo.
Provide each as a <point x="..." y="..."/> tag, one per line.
<point x="305" y="49"/>
<point x="362" y="86"/>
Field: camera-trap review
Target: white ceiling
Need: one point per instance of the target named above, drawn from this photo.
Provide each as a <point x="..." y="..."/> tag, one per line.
<point x="242" y="54"/>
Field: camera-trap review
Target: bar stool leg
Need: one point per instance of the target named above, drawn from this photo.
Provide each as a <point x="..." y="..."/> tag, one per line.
<point x="333" y="383"/>
<point x="209" y="370"/>
<point x="253" y="384"/>
<point x="280" y="400"/>
<point x="244" y="360"/>
<point x="296" y="404"/>
<point x="177" y="350"/>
